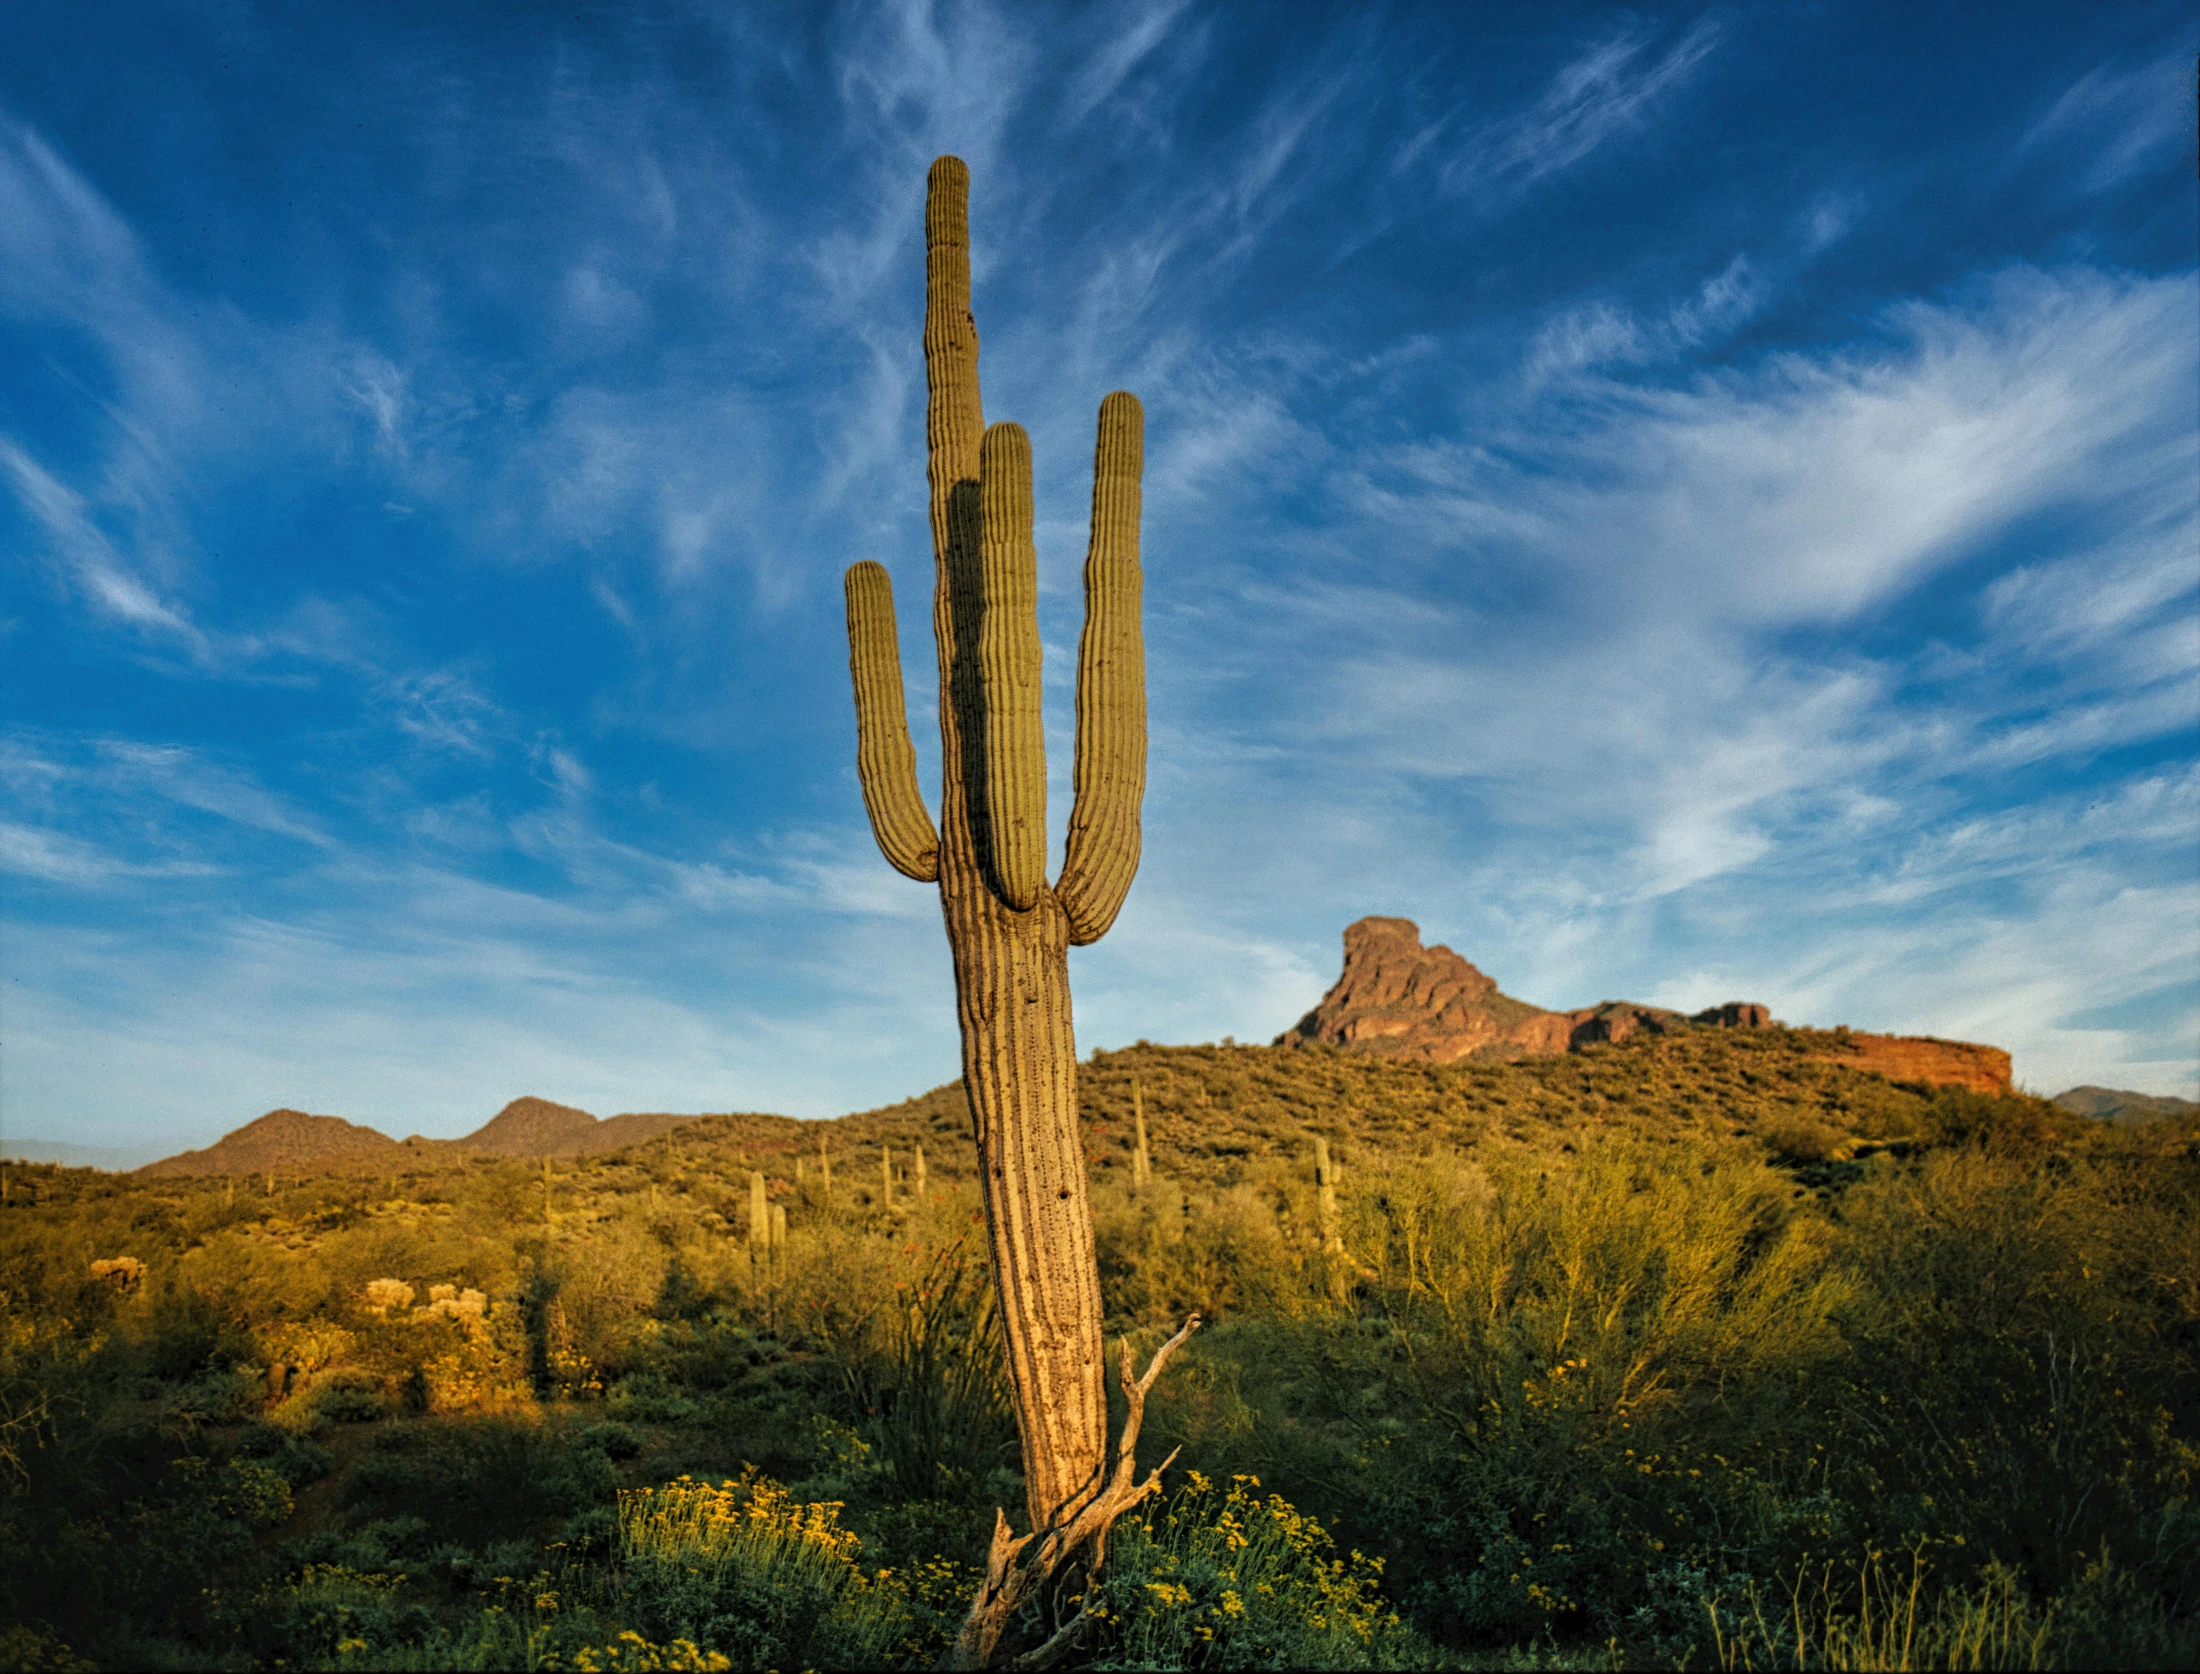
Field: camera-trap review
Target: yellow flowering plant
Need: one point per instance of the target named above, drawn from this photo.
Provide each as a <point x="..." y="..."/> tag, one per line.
<point x="1226" y="1577"/>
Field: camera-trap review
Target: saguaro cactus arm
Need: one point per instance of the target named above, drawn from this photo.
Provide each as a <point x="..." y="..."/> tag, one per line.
<point x="885" y="761"/>
<point x="1101" y="857"/>
<point x="1008" y="721"/>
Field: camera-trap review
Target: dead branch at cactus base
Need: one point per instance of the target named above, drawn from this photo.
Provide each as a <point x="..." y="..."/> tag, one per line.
<point x="1082" y="1524"/>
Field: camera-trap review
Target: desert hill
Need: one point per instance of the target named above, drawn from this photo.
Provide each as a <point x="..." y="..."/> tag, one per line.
<point x="532" y="1127"/>
<point x="1218" y="1116"/>
<point x="289" y="1142"/>
<point x="292" y="1142"/>
<point x="1398" y="999"/>
<point x="2113" y="1104"/>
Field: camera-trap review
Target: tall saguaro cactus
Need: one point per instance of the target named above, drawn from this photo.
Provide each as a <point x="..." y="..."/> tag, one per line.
<point x="1009" y="930"/>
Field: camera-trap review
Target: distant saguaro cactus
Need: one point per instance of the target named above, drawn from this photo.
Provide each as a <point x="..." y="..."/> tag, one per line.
<point x="1325" y="1197"/>
<point x="1008" y="929"/>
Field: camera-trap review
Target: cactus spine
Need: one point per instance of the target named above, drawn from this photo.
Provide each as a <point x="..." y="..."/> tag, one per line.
<point x="1008" y="930"/>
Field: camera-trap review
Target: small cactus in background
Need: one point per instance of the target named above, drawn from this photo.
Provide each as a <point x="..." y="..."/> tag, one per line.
<point x="1325" y="1198"/>
<point x="1142" y="1158"/>
<point x="123" y="1272"/>
<point x="385" y="1294"/>
<point x="1008" y="929"/>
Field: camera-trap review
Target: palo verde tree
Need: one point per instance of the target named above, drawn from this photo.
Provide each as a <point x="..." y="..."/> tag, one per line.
<point x="1009" y="929"/>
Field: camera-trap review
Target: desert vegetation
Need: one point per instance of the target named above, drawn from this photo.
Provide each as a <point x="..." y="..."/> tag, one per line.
<point x="1696" y="1351"/>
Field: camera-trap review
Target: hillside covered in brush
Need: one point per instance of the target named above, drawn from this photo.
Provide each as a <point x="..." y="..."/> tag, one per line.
<point x="1626" y="1352"/>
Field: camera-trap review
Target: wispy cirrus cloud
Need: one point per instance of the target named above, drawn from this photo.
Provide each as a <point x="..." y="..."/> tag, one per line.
<point x="2113" y="118"/>
<point x="1606" y="334"/>
<point x="1608" y="89"/>
<point x="88" y="557"/>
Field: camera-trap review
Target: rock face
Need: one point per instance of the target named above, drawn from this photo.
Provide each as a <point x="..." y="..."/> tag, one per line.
<point x="1398" y="999"/>
<point x="1943" y="1063"/>
<point x="1402" y="1000"/>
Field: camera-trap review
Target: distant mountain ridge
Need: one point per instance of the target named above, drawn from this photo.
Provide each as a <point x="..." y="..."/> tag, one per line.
<point x="2114" y="1104"/>
<point x="115" y="1159"/>
<point x="1398" y="999"/>
<point x="293" y="1142"/>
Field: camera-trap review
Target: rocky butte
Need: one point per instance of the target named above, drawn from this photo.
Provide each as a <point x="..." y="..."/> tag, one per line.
<point x="1398" y="999"/>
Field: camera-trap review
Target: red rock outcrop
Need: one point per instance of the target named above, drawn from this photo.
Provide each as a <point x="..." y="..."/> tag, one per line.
<point x="1398" y="999"/>
<point x="1737" y="1014"/>
<point x="1943" y="1063"/>
<point x="1613" y="1021"/>
<point x="1402" y="1000"/>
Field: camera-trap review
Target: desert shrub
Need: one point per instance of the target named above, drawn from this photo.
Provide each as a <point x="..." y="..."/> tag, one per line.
<point x="45" y="1370"/>
<point x="33" y="1650"/>
<point x="349" y="1403"/>
<point x="329" y="1615"/>
<point x="119" y="1579"/>
<point x="388" y="1295"/>
<point x="2026" y="1342"/>
<point x="930" y="1379"/>
<point x="1888" y="1610"/>
<point x="475" y="1479"/>
<point x="744" y="1569"/>
<point x="606" y="1288"/>
<point x="1552" y="1376"/>
<point x="649" y="1397"/>
<point x="1802" y="1137"/>
<point x="1164" y="1255"/>
<point x="303" y="1345"/>
<point x="1227" y="1579"/>
<point x="217" y="1397"/>
<point x="612" y="1440"/>
<point x="188" y="1331"/>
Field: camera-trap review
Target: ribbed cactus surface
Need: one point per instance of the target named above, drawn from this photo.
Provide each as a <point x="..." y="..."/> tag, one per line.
<point x="885" y="762"/>
<point x="1008" y="929"/>
<point x="1006" y="714"/>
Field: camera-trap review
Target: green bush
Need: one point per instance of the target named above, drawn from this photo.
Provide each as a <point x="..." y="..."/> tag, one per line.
<point x="1227" y="1579"/>
<point x="298" y="1460"/>
<point x="613" y="1440"/>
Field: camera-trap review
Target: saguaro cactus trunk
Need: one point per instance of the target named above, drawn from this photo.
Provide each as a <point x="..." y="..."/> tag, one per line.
<point x="1009" y="930"/>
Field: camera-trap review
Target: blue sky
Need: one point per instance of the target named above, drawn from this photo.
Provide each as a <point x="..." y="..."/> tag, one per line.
<point x="1686" y="504"/>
